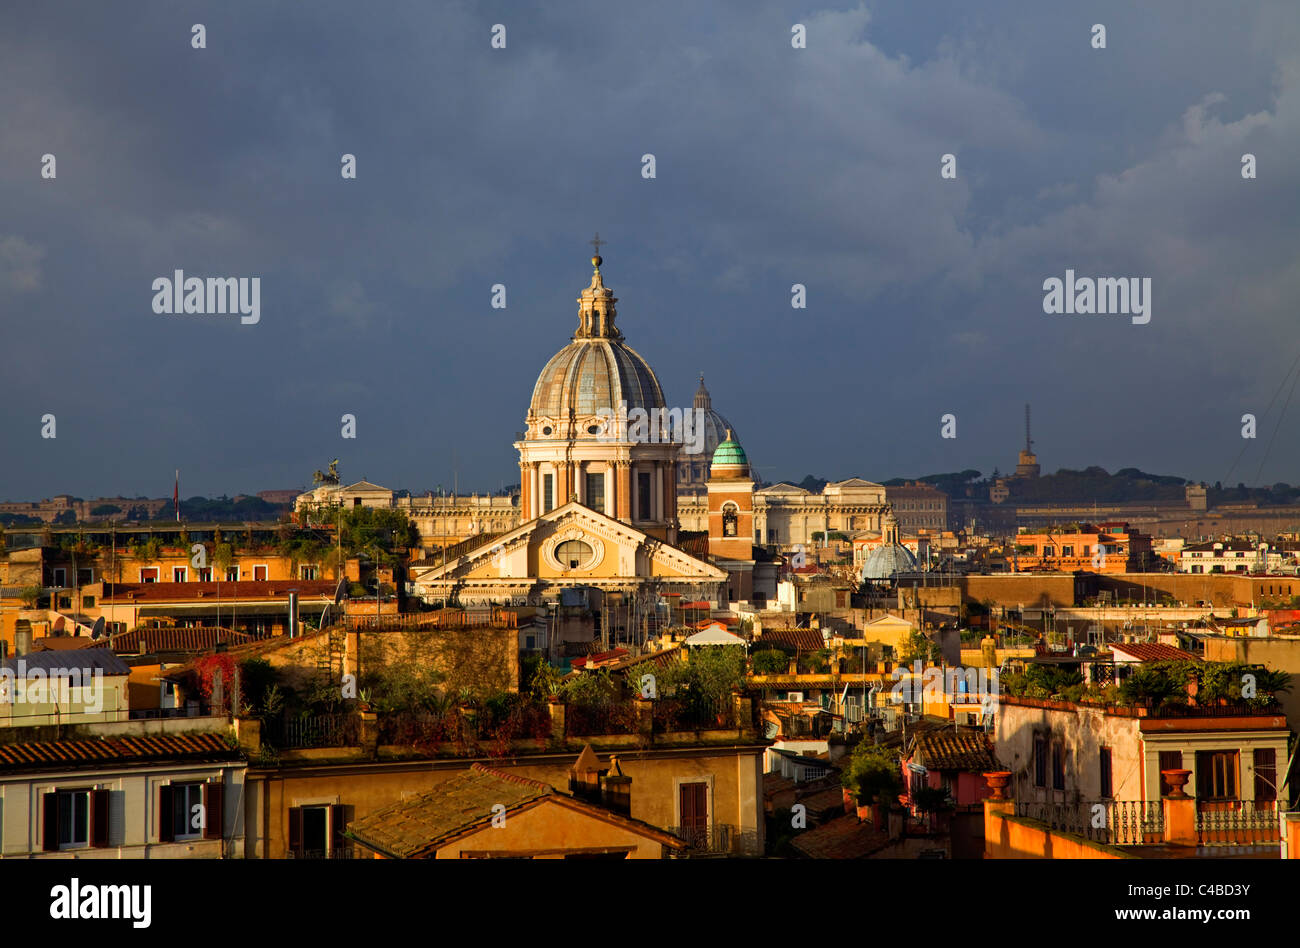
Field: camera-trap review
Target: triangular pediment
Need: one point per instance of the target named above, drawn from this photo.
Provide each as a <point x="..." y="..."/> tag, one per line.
<point x="573" y="544"/>
<point x="853" y="483"/>
<point x="783" y="488"/>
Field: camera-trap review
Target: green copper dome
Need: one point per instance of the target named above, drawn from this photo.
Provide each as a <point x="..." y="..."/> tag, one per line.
<point x="730" y="452"/>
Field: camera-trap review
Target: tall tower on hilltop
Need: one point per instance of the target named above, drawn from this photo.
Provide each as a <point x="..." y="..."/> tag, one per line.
<point x="1028" y="465"/>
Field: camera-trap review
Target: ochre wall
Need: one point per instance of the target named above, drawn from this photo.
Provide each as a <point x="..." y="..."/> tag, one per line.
<point x="552" y="826"/>
<point x="736" y="797"/>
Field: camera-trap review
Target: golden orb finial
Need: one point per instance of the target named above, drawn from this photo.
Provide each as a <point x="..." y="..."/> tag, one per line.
<point x="597" y="260"/>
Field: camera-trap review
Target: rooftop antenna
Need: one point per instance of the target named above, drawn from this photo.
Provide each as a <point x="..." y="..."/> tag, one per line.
<point x="1029" y="442"/>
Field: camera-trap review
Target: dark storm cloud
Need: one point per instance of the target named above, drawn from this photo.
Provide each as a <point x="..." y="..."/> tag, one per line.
<point x="775" y="166"/>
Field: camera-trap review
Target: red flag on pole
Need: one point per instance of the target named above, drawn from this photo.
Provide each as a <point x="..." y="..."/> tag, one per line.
<point x="176" y="496"/>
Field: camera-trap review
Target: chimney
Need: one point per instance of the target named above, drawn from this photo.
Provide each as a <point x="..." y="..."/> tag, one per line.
<point x="584" y="776"/>
<point x="616" y="792"/>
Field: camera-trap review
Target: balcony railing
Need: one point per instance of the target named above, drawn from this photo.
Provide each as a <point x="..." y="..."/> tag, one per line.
<point x="1114" y="822"/>
<point x="317" y="730"/>
<point x="1238" y="823"/>
<point x="718" y="839"/>
<point x="338" y="852"/>
<point x="1232" y="710"/>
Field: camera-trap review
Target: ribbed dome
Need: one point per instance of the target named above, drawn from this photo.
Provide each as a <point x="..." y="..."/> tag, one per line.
<point x="887" y="561"/>
<point x="730" y="453"/>
<point x="589" y="376"/>
<point x="595" y="374"/>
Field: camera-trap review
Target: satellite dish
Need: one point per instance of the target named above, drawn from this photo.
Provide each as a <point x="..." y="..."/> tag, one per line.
<point x="98" y="630"/>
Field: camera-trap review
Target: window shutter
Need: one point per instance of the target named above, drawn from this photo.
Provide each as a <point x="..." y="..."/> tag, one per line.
<point x="99" y="818"/>
<point x="214" y="810"/>
<point x="50" y="819"/>
<point x="166" y="816"/>
<point x="295" y="830"/>
<point x="338" y="823"/>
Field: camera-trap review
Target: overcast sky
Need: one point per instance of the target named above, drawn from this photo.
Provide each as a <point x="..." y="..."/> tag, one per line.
<point x="774" y="166"/>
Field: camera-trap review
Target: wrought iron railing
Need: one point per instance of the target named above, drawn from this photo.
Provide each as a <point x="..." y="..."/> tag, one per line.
<point x="1114" y="822"/>
<point x="1238" y="823"/>
<point x="338" y="852"/>
<point x="316" y="730"/>
<point x="717" y="839"/>
<point x="186" y="711"/>
<point x="1233" y="710"/>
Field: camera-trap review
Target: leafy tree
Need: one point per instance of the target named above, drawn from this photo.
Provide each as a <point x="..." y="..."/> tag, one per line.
<point x="383" y="534"/>
<point x="223" y="557"/>
<point x="918" y="646"/>
<point x="770" y="661"/>
<point x="873" y="774"/>
<point x="704" y="679"/>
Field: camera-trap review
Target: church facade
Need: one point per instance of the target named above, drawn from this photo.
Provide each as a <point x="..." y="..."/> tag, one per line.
<point x="598" y="502"/>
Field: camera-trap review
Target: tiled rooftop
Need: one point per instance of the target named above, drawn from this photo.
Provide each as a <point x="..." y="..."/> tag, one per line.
<point x="1151" y="651"/>
<point x="841" y="838"/>
<point x="45" y="754"/>
<point x="945" y="750"/>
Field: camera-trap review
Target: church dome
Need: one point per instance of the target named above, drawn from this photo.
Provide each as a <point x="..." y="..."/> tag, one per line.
<point x="595" y="374"/>
<point x="891" y="557"/>
<point x="730" y="455"/>
<point x="887" y="561"/>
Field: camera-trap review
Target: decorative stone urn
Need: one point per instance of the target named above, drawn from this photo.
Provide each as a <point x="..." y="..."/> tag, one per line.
<point x="1177" y="779"/>
<point x="998" y="780"/>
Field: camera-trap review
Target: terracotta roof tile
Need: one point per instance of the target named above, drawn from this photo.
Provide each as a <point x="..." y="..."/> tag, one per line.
<point x="245" y="589"/>
<point x="177" y="639"/>
<point x="421" y="824"/>
<point x="1151" y="651"/>
<point x="841" y="838"/>
<point x="805" y="640"/>
<point x="945" y="750"/>
<point x="44" y="754"/>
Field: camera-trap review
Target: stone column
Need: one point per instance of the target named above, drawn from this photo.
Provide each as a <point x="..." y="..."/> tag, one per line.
<point x="525" y="492"/>
<point x="555" y="706"/>
<point x="657" y="494"/>
<point x="645" y="724"/>
<point x="623" y="494"/>
<point x="563" y="481"/>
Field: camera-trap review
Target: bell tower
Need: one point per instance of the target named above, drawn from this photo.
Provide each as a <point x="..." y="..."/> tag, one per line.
<point x="731" y="517"/>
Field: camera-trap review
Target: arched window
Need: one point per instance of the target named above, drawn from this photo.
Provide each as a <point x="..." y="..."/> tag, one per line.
<point x="730" y="518"/>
